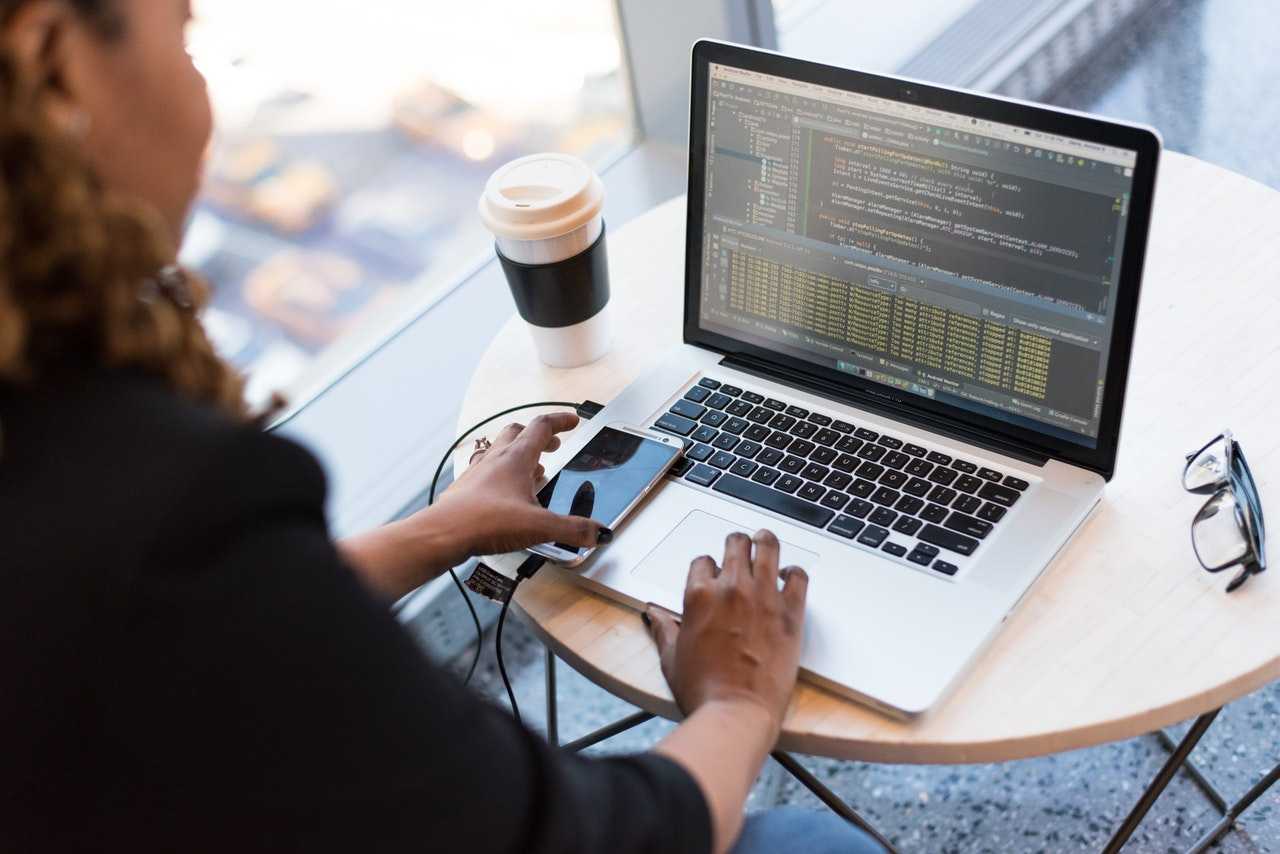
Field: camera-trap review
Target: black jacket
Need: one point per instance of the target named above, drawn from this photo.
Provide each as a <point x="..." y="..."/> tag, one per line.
<point x="186" y="664"/>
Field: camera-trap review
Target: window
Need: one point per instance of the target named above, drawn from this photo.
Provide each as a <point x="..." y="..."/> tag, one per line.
<point x="354" y="140"/>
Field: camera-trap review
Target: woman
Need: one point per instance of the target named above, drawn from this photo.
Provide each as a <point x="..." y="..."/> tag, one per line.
<point x="189" y="663"/>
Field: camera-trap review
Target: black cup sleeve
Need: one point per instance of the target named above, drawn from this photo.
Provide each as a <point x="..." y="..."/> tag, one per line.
<point x="563" y="293"/>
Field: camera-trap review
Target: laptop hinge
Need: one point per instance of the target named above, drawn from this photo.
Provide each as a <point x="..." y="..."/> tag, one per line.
<point x="841" y="394"/>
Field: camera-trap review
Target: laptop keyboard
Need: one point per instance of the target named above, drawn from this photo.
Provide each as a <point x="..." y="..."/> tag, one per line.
<point x="848" y="480"/>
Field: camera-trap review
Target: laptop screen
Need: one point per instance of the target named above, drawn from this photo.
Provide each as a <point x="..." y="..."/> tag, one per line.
<point x="967" y="261"/>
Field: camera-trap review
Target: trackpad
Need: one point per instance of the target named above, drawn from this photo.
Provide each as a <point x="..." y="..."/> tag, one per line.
<point x="699" y="533"/>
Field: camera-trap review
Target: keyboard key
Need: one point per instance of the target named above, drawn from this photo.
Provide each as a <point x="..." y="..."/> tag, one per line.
<point x="967" y="504"/>
<point x="804" y="429"/>
<point x="731" y="390"/>
<point x="909" y="504"/>
<point x="739" y="409"/>
<point x="922" y="558"/>
<point x="907" y="525"/>
<point x="871" y="452"/>
<point x="815" y="472"/>
<point x="883" y="516"/>
<point x="834" y="500"/>
<point x="917" y="487"/>
<point x="699" y="453"/>
<point x="885" y="496"/>
<point x="760" y="415"/>
<point x="949" y="540"/>
<point x="989" y="474"/>
<point x="826" y="437"/>
<point x="723" y="459"/>
<point x="735" y="426"/>
<point x="677" y="424"/>
<point x="890" y="442"/>
<point x="725" y="442"/>
<point x="752" y="397"/>
<point x="776" y="405"/>
<point x="895" y="459"/>
<point x="939" y="458"/>
<point x="945" y="568"/>
<point x="681" y="468"/>
<point x="797" y="412"/>
<point x="714" y="418"/>
<point x="870" y="471"/>
<point x="873" y="536"/>
<point x="778" y="440"/>
<point x="703" y="475"/>
<point x="744" y="468"/>
<point x="846" y="526"/>
<point x="707" y="382"/>
<point x="718" y="401"/>
<point x="812" y="492"/>
<point x="919" y="468"/>
<point x="866" y="435"/>
<point x="964" y="466"/>
<point x="968" y="525"/>
<point x="772" y="499"/>
<point x="992" y="512"/>
<point x="860" y="508"/>
<point x="849" y="445"/>
<point x="697" y="394"/>
<point x="942" y="495"/>
<point x="801" y="448"/>
<point x="822" y="456"/>
<point x="933" y="513"/>
<point x="782" y="422"/>
<point x="820" y="419"/>
<point x="705" y="434"/>
<point x="842" y="427"/>
<point x="914" y="450"/>
<point x="790" y="483"/>
<point x="894" y="549"/>
<point x="1016" y="483"/>
<point x="757" y="432"/>
<point x="861" y="488"/>
<point x="747" y="449"/>
<point x="998" y="494"/>
<point x="769" y="457"/>
<point x="793" y="465"/>
<point x="845" y="462"/>
<point x="943" y="476"/>
<point x="894" y="479"/>
<point x="766" y="476"/>
<point x="838" y="480"/>
<point x="968" y="483"/>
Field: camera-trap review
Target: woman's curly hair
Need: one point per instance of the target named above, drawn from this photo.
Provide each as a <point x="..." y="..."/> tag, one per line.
<point x="83" y="278"/>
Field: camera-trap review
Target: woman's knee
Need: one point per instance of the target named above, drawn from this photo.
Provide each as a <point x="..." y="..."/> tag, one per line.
<point x="810" y="831"/>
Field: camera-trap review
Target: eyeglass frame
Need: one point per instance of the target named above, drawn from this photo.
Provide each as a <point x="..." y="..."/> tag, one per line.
<point x="1241" y="484"/>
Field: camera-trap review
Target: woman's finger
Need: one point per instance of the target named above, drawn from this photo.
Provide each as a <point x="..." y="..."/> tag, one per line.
<point x="665" y="631"/>
<point x="736" y="566"/>
<point x="508" y="435"/>
<point x="548" y="527"/>
<point x="535" y="438"/>
<point x="764" y="563"/>
<point x="702" y="570"/>
<point x="795" y="588"/>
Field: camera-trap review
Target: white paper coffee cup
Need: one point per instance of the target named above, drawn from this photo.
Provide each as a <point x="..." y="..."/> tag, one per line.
<point x="546" y="215"/>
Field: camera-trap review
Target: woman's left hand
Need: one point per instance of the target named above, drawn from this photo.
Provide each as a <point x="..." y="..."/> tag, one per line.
<point x="493" y="505"/>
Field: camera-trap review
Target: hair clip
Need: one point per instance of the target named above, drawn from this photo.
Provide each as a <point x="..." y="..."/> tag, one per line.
<point x="173" y="284"/>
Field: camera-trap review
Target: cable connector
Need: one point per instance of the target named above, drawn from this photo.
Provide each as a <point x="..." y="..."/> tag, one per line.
<point x="531" y="565"/>
<point x="588" y="409"/>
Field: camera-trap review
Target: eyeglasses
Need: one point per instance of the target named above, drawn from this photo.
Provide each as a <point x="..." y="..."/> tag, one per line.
<point x="1228" y="531"/>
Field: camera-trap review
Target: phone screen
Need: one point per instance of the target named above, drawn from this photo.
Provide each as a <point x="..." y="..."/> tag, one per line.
<point x="603" y="478"/>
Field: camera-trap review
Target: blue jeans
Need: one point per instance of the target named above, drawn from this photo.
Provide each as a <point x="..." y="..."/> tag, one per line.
<point x="809" y="831"/>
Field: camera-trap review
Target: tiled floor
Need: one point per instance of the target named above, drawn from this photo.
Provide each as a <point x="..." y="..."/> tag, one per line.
<point x="1204" y="72"/>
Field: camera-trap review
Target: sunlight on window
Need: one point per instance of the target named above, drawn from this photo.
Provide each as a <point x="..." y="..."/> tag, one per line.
<point x="354" y="139"/>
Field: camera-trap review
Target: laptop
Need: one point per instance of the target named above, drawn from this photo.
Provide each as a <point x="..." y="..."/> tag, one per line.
<point x="908" y="318"/>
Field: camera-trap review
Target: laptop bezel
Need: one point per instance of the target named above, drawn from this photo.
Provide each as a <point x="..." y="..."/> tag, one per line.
<point x="1145" y="141"/>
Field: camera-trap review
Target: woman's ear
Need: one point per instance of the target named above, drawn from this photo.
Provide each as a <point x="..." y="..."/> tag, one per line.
<point x="37" y="38"/>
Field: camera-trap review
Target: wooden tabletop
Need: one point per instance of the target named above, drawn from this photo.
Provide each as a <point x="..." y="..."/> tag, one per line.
<point x="1125" y="633"/>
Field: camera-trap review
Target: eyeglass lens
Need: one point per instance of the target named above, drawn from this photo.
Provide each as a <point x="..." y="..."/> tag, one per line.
<point x="1209" y="467"/>
<point x="1218" y="532"/>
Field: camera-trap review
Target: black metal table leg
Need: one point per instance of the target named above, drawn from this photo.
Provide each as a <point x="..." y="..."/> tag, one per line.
<point x="830" y="798"/>
<point x="1202" y="782"/>
<point x="1235" y="811"/>
<point x="609" y="731"/>
<point x="1171" y="766"/>
<point x="553" y="720"/>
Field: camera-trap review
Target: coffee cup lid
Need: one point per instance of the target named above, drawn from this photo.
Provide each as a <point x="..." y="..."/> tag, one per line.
<point x="541" y="196"/>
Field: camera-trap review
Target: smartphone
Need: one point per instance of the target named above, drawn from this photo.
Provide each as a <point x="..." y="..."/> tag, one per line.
<point x="606" y="480"/>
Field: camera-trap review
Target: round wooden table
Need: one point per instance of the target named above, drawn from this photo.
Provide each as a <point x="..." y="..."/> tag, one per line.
<point x="1125" y="633"/>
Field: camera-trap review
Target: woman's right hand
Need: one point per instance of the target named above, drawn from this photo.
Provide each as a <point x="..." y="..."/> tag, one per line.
<point x="739" y="638"/>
